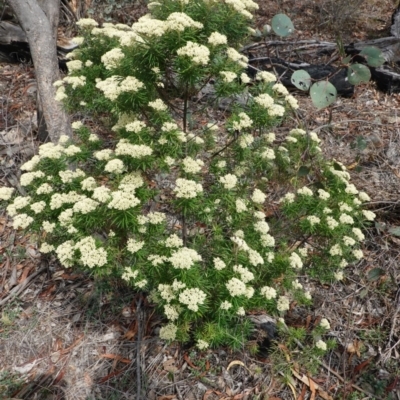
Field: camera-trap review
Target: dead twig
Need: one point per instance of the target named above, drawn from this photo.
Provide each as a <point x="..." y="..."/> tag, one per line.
<point x="22" y="286"/>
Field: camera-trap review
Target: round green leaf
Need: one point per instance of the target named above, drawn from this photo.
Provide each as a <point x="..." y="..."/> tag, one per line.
<point x="282" y="25"/>
<point x="357" y="73"/>
<point x="323" y="94"/>
<point x="373" y="55"/>
<point x="301" y="79"/>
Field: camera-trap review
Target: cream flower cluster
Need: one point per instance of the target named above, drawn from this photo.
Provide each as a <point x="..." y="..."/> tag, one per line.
<point x="268" y="292"/>
<point x="237" y="57"/>
<point x="124" y="148"/>
<point x="158" y="105"/>
<point x="192" y="298"/>
<point x="266" y="77"/>
<point x="228" y="76"/>
<point x="217" y="38"/>
<point x="295" y="261"/>
<point x="65" y="253"/>
<point x="192" y="166"/>
<point x="184" y="258"/>
<point x="112" y="87"/>
<point x="168" y="332"/>
<point x="219" y="264"/>
<point x="68" y="176"/>
<point x="198" y="53"/>
<point x="187" y="189"/>
<point x="135" y="126"/>
<point x="245" y="274"/>
<point x="236" y="287"/>
<point x="229" y="181"/>
<point x="121" y="200"/>
<point x="91" y="255"/>
<point x="173" y="241"/>
<point x="134" y="246"/>
<point x="112" y="58"/>
<point x="27" y="178"/>
<point x="244" y="122"/>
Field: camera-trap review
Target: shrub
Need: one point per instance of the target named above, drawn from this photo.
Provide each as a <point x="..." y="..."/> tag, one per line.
<point x="213" y="217"/>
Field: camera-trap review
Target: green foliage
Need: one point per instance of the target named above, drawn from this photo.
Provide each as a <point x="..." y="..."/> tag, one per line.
<point x="176" y="203"/>
<point x="323" y="94"/>
<point x="358" y="73"/>
<point x="282" y="25"/>
<point x="301" y="79"/>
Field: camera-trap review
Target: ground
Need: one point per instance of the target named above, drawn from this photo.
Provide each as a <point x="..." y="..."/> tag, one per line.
<point x="64" y="336"/>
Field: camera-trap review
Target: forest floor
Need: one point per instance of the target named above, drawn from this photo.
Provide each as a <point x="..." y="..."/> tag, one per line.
<point x="65" y="336"/>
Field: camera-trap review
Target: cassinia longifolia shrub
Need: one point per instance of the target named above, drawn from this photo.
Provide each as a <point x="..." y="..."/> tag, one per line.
<point x="202" y="208"/>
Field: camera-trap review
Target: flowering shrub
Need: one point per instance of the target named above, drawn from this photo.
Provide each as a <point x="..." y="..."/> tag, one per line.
<point x="213" y="218"/>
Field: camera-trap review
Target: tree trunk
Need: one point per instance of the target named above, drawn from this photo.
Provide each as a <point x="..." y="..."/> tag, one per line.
<point x="40" y="26"/>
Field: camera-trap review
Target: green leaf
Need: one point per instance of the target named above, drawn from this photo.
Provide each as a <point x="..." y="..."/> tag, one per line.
<point x="301" y="79"/>
<point x="303" y="171"/>
<point x="373" y="55"/>
<point x="363" y="293"/>
<point x="323" y="94"/>
<point x="282" y="25"/>
<point x="360" y="143"/>
<point x="375" y="273"/>
<point x="346" y="60"/>
<point x="357" y="73"/>
<point x="395" y="230"/>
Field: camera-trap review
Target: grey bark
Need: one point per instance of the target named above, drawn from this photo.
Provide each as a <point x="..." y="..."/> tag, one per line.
<point x="40" y="26"/>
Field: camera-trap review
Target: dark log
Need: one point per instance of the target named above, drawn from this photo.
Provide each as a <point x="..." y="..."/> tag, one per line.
<point x="284" y="70"/>
<point x="395" y="28"/>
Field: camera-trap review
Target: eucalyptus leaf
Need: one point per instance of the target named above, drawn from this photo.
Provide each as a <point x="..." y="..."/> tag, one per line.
<point x="282" y="25"/>
<point x="323" y="94"/>
<point x="373" y="56"/>
<point x="358" y="73"/>
<point x="395" y="230"/>
<point x="301" y="79"/>
<point x="375" y="273"/>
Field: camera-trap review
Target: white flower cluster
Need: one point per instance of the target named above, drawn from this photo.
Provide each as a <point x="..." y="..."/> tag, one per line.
<point x="102" y="194"/>
<point x="219" y="264"/>
<point x="279" y="88"/>
<point x="245" y="140"/>
<point x="121" y="200"/>
<point x="236" y="287"/>
<point x="91" y="256"/>
<point x="115" y="166"/>
<point x="178" y="21"/>
<point x="74" y="65"/>
<point x="85" y="205"/>
<point x="27" y="178"/>
<point x="112" y="87"/>
<point x="134" y="246"/>
<point x="19" y="202"/>
<point x="313" y="220"/>
<point x="324" y="323"/>
<point x="225" y="305"/>
<point x="158" y="105"/>
<point x="171" y="312"/>
<point x="173" y="241"/>
<point x="228" y="76"/>
<point x="237" y="57"/>
<point x="295" y="261"/>
<point x="258" y="196"/>
<point x="38" y="207"/>
<point x="242" y="6"/>
<point x="198" y="53"/>
<point x="112" y="58"/>
<point x="192" y="298"/>
<point x="331" y="222"/>
<point x="305" y="191"/>
<point x="245" y="122"/>
<point x="187" y="189"/>
<point x="135" y="126"/>
<point x="229" y="181"/>
<point x="283" y="303"/>
<point x="124" y="148"/>
<point x="65" y="253"/>
<point x="240" y="205"/>
<point x="87" y="23"/>
<point x="168" y="332"/>
<point x="268" y="292"/>
<point x="320" y="344"/>
<point x="323" y="194"/>
<point x="22" y="221"/>
<point x="245" y="274"/>
<point x="217" y="38"/>
<point x="68" y="176"/>
<point x="192" y="166"/>
<point x="184" y="258"/>
<point x="264" y="100"/>
<point x="266" y="77"/>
